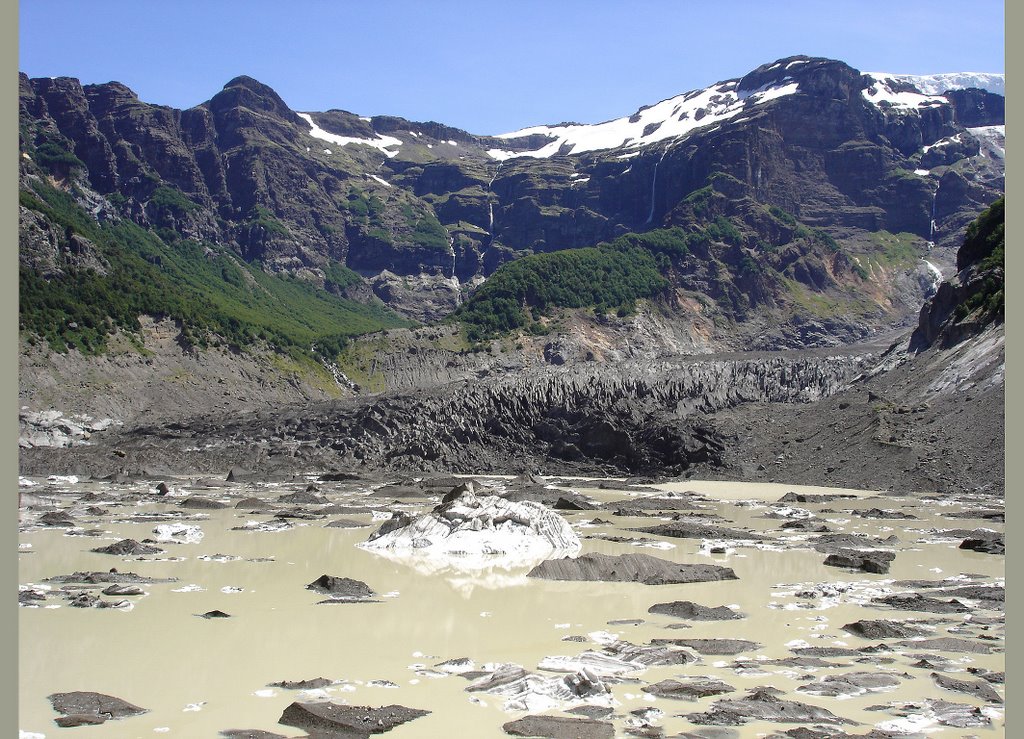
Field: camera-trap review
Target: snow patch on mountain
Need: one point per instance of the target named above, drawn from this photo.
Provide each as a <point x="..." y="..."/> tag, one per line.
<point x="669" y="119"/>
<point x="936" y="84"/>
<point x="380" y="142"/>
<point x="993" y="140"/>
<point x="888" y="89"/>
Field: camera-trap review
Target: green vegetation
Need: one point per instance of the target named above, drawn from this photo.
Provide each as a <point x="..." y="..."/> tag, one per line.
<point x="608" y="277"/>
<point x="263" y="218"/>
<point x="429" y="232"/>
<point x="55" y="159"/>
<point x="173" y="199"/>
<point x="985" y="243"/>
<point x="211" y="292"/>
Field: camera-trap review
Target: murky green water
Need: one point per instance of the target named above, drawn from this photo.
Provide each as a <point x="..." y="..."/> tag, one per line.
<point x="201" y="676"/>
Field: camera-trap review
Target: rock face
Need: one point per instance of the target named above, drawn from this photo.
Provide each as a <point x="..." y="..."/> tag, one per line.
<point x="477" y="530"/>
<point x="641" y="568"/>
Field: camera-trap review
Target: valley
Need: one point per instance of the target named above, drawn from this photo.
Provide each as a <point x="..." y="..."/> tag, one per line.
<point x="748" y="321"/>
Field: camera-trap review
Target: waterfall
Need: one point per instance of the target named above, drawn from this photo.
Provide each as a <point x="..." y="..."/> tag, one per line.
<point x="654" y="182"/>
<point x="931" y="225"/>
<point x="936" y="276"/>
<point x="490" y="204"/>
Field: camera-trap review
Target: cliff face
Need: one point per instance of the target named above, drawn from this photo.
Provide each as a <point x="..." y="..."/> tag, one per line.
<point x="295" y="192"/>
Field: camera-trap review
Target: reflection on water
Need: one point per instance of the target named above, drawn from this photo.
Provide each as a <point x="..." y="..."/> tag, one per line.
<point x="199" y="676"/>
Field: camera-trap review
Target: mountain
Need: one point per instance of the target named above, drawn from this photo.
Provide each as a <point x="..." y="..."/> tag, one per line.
<point x="803" y="204"/>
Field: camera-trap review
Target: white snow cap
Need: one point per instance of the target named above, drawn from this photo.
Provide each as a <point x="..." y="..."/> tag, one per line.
<point x="668" y="119"/>
<point x="936" y="84"/>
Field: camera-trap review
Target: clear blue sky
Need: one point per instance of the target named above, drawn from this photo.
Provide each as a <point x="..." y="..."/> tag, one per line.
<point x="484" y="66"/>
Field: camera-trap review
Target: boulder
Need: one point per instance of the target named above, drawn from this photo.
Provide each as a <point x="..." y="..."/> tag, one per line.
<point x="332" y="719"/>
<point x="341" y="588"/>
<point x="128" y="547"/>
<point x="691" y="689"/>
<point x="868" y="561"/>
<point x="978" y="688"/>
<point x="197" y="501"/>
<point x="883" y="629"/>
<point x="987" y="542"/>
<point x="86" y="707"/>
<point x="559" y="727"/>
<point x="641" y="568"/>
<point x="694" y="611"/>
<point x="763" y="704"/>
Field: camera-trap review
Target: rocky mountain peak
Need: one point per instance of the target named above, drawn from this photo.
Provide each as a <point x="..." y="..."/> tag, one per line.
<point x="245" y="92"/>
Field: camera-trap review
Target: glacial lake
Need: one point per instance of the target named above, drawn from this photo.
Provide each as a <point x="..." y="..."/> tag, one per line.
<point x="200" y="676"/>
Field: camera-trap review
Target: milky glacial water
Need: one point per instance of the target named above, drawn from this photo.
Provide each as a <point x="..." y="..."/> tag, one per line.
<point x="199" y="676"/>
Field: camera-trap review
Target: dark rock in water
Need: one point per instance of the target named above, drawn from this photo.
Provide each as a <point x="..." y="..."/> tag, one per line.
<point x="31" y="596"/>
<point x="978" y="688"/>
<point x="79" y="719"/>
<point x="993" y="677"/>
<point x="299" y="514"/>
<point x="331" y="719"/>
<point x="573" y="502"/>
<point x="813" y="525"/>
<point x="162" y="489"/>
<point x="762" y="704"/>
<point x="250" y="734"/>
<point x="829" y="543"/>
<point x="302" y="498"/>
<point x="197" y="501"/>
<point x="990" y="596"/>
<point x="559" y="727"/>
<point x="316" y="682"/>
<point x="399" y="491"/>
<point x="128" y="546"/>
<point x="985" y="542"/>
<point x="948" y="714"/>
<point x="95" y="578"/>
<point x="214" y="614"/>
<point x="57" y="519"/>
<point x="711" y="646"/>
<point x="83" y="600"/>
<point x="876" y="562"/>
<point x="641" y="568"/>
<point x="657" y="503"/>
<point x="591" y="711"/>
<point x="254" y="504"/>
<point x="694" y="611"/>
<point x="338" y="477"/>
<point x="884" y="514"/>
<point x="825" y="652"/>
<point x="690" y="690"/>
<point x="688" y="530"/>
<point x="237" y="474"/>
<point x="884" y="629"/>
<point x="812" y="498"/>
<point x="851" y="683"/>
<point x="345" y="523"/>
<point x="341" y="588"/>
<point x="918" y="602"/>
<point x="122" y="590"/>
<point x="949" y="644"/>
<point x="84" y="707"/>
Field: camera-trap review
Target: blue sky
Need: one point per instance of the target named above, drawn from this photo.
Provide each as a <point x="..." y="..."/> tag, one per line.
<point x="483" y="66"/>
